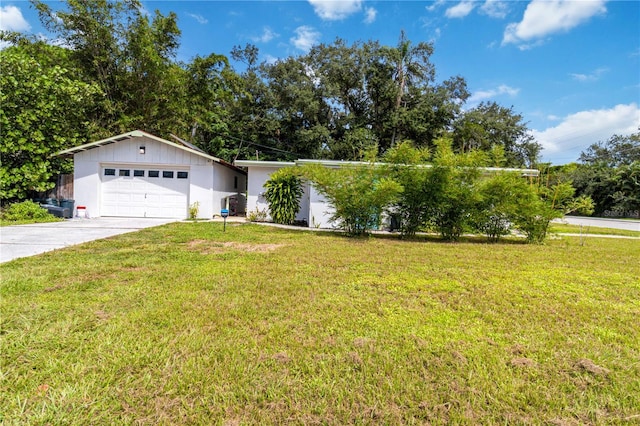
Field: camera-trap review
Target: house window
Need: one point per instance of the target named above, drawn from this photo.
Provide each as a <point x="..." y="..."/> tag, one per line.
<point x="183" y="175"/>
<point x="109" y="172"/>
<point x="167" y="174"/>
<point x="138" y="173"/>
<point x="154" y="173"/>
<point x="235" y="182"/>
<point x="124" y="172"/>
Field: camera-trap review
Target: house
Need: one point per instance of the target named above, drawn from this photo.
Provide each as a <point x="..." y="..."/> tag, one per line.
<point x="315" y="210"/>
<point x="137" y="174"/>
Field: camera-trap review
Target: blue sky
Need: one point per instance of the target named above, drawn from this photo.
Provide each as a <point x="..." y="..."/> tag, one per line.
<point x="571" y="68"/>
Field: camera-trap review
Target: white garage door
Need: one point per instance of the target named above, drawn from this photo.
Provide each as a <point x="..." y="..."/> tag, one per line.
<point x="144" y="192"/>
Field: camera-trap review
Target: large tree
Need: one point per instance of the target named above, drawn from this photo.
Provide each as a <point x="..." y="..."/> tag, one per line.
<point x="490" y="125"/>
<point x="43" y="109"/>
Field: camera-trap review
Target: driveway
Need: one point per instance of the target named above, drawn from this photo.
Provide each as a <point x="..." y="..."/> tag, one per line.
<point x="28" y="240"/>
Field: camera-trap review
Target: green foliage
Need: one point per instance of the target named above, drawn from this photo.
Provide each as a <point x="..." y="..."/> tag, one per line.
<point x="283" y="192"/>
<point x="358" y="193"/>
<point x="42" y="110"/>
<point x="194" y="209"/>
<point x="27" y="211"/>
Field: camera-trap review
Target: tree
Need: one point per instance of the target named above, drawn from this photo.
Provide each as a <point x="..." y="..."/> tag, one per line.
<point x="490" y="125"/>
<point x="43" y="109"/>
<point x="616" y="151"/>
<point x="116" y="46"/>
<point x="359" y="194"/>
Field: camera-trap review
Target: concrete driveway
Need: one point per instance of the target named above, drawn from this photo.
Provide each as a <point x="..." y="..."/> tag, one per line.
<point x="28" y="240"/>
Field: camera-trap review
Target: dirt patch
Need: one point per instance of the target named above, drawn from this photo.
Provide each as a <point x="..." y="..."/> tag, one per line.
<point x="281" y="357"/>
<point x="522" y="362"/>
<point x="54" y="288"/>
<point x="591" y="367"/>
<point x="102" y="315"/>
<point x="210" y="247"/>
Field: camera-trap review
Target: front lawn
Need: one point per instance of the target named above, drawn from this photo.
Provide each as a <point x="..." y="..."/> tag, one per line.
<point x="185" y="324"/>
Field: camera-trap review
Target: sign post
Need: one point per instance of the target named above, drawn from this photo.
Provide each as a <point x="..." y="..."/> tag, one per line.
<point x="224" y="213"/>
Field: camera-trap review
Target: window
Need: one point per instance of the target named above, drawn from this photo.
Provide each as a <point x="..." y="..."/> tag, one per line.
<point x="183" y="175"/>
<point x="153" y="173"/>
<point x="138" y="173"/>
<point x="109" y="172"/>
<point x="167" y="174"/>
<point x="124" y="172"/>
<point x="235" y="182"/>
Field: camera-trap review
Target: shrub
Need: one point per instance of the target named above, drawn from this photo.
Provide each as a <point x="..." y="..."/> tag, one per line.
<point x="359" y="194"/>
<point x="283" y="192"/>
<point x="27" y="211"/>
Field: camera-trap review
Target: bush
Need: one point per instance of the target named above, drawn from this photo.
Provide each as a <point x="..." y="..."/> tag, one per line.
<point x="283" y="193"/>
<point x="27" y="211"/>
<point x="359" y="194"/>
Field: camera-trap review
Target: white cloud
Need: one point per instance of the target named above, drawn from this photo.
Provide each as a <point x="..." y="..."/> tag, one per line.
<point x="545" y="17"/>
<point x="370" y="15"/>
<point x="578" y="131"/>
<point x="436" y="4"/>
<point x="11" y="19"/>
<point x="201" y="19"/>
<point x="482" y="95"/>
<point x="335" y="10"/>
<point x="595" y="75"/>
<point x="306" y="37"/>
<point x="266" y="36"/>
<point x="495" y="8"/>
<point x="460" y="10"/>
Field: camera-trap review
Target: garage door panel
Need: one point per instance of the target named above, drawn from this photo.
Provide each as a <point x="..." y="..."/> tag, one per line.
<point x="144" y="196"/>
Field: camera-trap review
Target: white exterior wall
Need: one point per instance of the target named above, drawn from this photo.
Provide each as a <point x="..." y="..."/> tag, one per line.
<point x="208" y="181"/>
<point x="319" y="211"/>
<point x="228" y="182"/>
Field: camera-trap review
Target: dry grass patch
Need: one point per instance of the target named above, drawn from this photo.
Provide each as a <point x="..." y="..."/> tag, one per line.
<point x="210" y="247"/>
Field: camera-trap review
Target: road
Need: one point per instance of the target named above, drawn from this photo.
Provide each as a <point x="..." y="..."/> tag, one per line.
<point x="628" y="224"/>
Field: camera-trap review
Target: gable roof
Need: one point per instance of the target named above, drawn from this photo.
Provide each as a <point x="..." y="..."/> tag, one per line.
<point x="140" y="134"/>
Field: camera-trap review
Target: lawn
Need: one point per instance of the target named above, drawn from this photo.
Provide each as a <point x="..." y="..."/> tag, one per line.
<point x="185" y="324"/>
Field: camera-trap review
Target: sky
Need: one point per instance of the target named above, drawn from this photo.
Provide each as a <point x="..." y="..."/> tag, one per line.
<point x="570" y="68"/>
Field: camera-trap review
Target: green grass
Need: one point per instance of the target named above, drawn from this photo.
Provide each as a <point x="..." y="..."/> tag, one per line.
<point x="52" y="218"/>
<point x="185" y="324"/>
<point x="591" y="230"/>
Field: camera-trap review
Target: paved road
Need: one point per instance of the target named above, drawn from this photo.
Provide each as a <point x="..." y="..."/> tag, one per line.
<point x="629" y="225"/>
<point x="28" y="240"/>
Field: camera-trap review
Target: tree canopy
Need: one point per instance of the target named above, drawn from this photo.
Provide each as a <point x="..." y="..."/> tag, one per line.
<point x="338" y="101"/>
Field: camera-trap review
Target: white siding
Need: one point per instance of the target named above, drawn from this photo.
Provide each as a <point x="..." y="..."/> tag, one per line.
<point x="209" y="182"/>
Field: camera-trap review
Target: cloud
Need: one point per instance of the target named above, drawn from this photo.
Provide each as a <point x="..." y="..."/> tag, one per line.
<point x="495" y="8"/>
<point x="11" y="19"/>
<point x="545" y="17"/>
<point x="595" y="75"/>
<point x="578" y="131"/>
<point x="482" y="95"/>
<point x="201" y="19"/>
<point x="370" y="15"/>
<point x="335" y="10"/>
<point x="306" y="37"/>
<point x="266" y="37"/>
<point x="460" y="10"/>
<point x="436" y="4"/>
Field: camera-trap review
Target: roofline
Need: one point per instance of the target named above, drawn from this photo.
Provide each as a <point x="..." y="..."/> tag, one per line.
<point x="339" y="163"/>
<point x="141" y="134"/>
<point x="257" y="163"/>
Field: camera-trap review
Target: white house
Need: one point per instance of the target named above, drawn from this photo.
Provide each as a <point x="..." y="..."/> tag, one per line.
<point x="314" y="208"/>
<point x="137" y="174"/>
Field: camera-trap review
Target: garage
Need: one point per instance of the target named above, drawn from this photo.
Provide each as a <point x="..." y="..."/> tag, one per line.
<point x="144" y="192"/>
<point x="137" y="174"/>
